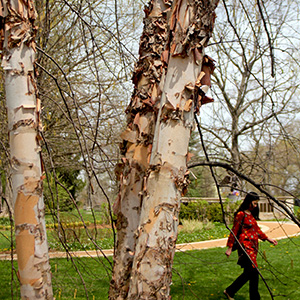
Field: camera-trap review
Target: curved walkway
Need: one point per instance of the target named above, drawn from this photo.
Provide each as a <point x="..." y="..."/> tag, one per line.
<point x="277" y="230"/>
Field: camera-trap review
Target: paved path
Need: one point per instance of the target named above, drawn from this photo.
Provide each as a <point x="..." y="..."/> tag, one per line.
<point x="275" y="230"/>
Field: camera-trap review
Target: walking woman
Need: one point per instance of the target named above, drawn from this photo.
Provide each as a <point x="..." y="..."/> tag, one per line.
<point x="248" y="232"/>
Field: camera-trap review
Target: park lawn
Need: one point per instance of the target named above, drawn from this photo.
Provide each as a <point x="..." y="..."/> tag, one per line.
<point x="5" y="240"/>
<point x="77" y="239"/>
<point x="200" y="274"/>
<point x="205" y="274"/>
<point x="75" y="216"/>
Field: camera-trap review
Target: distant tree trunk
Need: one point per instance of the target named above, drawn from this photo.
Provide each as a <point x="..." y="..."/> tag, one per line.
<point x="1" y="194"/>
<point x="236" y="162"/>
<point x="23" y="108"/>
<point x="153" y="190"/>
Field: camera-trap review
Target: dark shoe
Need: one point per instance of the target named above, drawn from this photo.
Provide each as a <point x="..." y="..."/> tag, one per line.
<point x="227" y="295"/>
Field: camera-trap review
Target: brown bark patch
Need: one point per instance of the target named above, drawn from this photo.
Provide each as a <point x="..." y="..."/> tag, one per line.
<point x="24" y="209"/>
<point x="24" y="123"/>
<point x="129" y="135"/>
<point x="141" y="155"/>
<point x="25" y="249"/>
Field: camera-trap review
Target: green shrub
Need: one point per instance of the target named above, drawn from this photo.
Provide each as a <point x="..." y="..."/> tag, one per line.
<point x="201" y="210"/>
<point x="54" y="192"/>
<point x="214" y="213"/>
<point x="5" y="221"/>
<point x="195" y="210"/>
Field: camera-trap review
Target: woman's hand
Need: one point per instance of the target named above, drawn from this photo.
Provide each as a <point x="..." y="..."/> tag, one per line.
<point x="272" y="241"/>
<point x="228" y="251"/>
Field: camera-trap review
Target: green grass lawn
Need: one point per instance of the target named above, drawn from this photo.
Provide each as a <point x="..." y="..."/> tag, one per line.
<point x="5" y="240"/>
<point x="76" y="237"/>
<point x="197" y="275"/>
<point x="205" y="274"/>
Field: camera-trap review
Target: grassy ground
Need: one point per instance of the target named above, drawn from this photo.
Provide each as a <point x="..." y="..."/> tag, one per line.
<point x="197" y="275"/>
<point x="76" y="237"/>
<point x="205" y="274"/>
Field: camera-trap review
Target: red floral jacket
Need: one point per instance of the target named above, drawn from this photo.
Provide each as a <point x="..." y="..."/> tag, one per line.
<point x="249" y="235"/>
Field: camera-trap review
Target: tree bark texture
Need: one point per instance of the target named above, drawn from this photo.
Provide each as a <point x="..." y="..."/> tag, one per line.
<point x="173" y="96"/>
<point x="23" y="108"/>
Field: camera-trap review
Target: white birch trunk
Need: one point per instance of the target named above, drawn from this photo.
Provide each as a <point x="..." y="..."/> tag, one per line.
<point x="157" y="232"/>
<point x="23" y="122"/>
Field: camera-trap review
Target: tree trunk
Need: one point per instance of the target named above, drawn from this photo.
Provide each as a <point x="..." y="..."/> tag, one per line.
<point x="1" y="195"/>
<point x="190" y="24"/>
<point x="236" y="162"/>
<point x="137" y="143"/>
<point x="23" y="108"/>
<point x="181" y="75"/>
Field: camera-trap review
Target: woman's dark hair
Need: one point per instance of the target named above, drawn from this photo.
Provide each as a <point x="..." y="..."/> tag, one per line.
<point x="252" y="196"/>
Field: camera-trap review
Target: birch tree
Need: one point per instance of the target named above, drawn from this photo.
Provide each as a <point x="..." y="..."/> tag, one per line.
<point x="23" y="107"/>
<point x="84" y="58"/>
<point x="137" y="139"/>
<point x="171" y="81"/>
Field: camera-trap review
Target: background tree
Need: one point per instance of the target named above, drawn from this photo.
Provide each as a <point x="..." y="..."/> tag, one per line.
<point x="277" y="162"/>
<point x="254" y="84"/>
<point x="80" y="88"/>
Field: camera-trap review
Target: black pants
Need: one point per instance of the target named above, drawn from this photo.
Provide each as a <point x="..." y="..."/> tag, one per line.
<point x="250" y="274"/>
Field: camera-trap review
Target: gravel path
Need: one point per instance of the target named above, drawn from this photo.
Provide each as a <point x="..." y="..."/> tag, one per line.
<point x="277" y="230"/>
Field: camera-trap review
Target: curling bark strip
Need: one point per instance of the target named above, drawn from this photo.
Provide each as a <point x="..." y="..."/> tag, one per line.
<point x="23" y="106"/>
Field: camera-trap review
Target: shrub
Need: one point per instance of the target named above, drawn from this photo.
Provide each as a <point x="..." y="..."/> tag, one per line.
<point x="195" y="210"/>
<point x="214" y="213"/>
<point x="4" y="221"/>
<point x="54" y="192"/>
<point x="203" y="211"/>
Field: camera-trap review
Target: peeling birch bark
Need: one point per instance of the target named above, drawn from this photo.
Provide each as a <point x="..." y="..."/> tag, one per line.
<point x="137" y="144"/>
<point x="183" y="89"/>
<point x="24" y="124"/>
